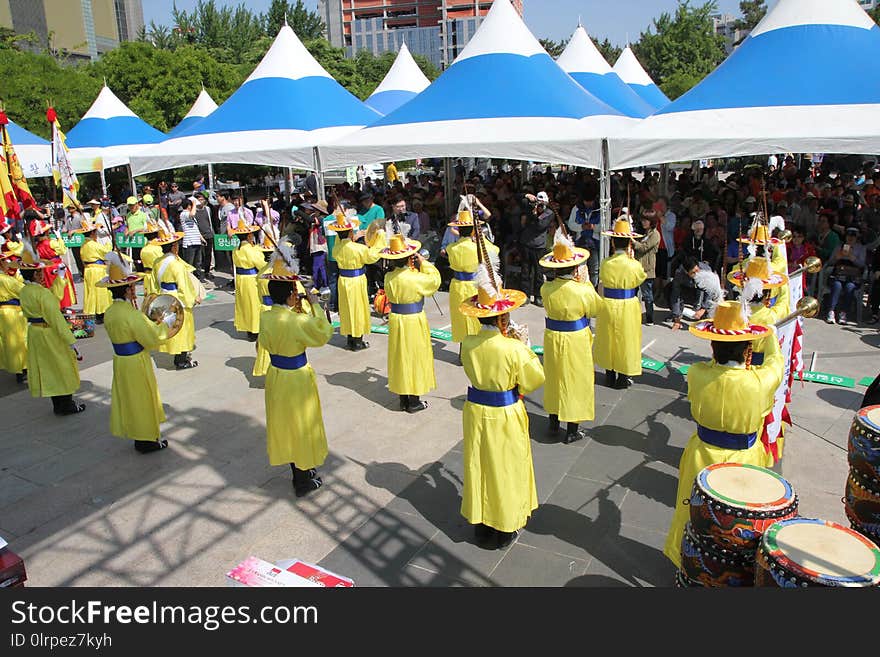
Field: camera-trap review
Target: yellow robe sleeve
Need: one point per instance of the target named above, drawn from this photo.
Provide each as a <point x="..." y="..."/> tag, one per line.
<point x="105" y="248"/>
<point x="771" y="372"/>
<point x="316" y="331"/>
<point x="257" y="258"/>
<point x="592" y="300"/>
<point x="336" y="246"/>
<point x="59" y="285"/>
<point x="184" y="284"/>
<point x="372" y="255"/>
<point x="53" y="317"/>
<point x="146" y="332"/>
<point x="530" y="376"/>
<point x="429" y="281"/>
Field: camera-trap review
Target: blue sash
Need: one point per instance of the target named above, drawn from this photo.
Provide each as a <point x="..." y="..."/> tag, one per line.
<point x="246" y="272"/>
<point x="169" y="287"/>
<point x="408" y="308"/>
<point x="567" y="327"/>
<point x="267" y="301"/>
<point x="758" y="358"/>
<point x="289" y="362"/>
<point x="95" y="262"/>
<point x="11" y="302"/>
<point x="464" y="275"/>
<point x="726" y="440"/>
<point x="620" y="293"/>
<point x="352" y="273"/>
<point x="489" y="398"/>
<point x="127" y="348"/>
<point x="36" y="320"/>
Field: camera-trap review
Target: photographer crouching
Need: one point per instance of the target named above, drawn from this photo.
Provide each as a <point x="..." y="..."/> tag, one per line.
<point x="533" y="239"/>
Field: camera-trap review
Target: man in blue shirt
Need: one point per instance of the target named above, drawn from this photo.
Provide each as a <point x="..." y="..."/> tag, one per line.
<point x="369" y="213"/>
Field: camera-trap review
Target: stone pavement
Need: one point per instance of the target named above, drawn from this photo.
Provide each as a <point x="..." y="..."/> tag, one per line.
<point x="83" y="508"/>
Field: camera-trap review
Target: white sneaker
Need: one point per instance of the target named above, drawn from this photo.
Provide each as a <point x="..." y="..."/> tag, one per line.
<point x="841" y="318"/>
<point x="830" y="318"/>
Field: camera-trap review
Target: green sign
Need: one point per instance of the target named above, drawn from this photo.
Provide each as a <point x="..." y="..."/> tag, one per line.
<point x="830" y="379"/>
<point x="226" y="243"/>
<point x="441" y="335"/>
<point x="866" y="381"/>
<point x="136" y="241"/>
<point x="74" y="240"/>
<point x="379" y="329"/>
<point x="652" y="365"/>
<point x="336" y="325"/>
<point x="538" y="349"/>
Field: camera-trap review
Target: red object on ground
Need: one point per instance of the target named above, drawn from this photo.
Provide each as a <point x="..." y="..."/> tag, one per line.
<point x="12" y="572"/>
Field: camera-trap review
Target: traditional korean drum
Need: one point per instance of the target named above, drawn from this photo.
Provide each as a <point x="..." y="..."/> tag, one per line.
<point x="705" y="564"/>
<point x="682" y="581"/>
<point x="862" y="506"/>
<point x="864" y="445"/>
<point x="732" y="504"/>
<point x="802" y="552"/>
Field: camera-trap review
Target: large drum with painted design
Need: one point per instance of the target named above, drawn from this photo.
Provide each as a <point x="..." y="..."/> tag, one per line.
<point x="732" y="504"/>
<point x="703" y="563"/>
<point x="862" y="505"/>
<point x="863" y="448"/>
<point x="803" y="552"/>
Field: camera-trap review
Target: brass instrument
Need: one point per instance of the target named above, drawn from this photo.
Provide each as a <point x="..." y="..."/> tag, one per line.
<point x="519" y="332"/>
<point x="165" y="309"/>
<point x="812" y="265"/>
<point x="786" y="236"/>
<point x="372" y="233"/>
<point x="806" y="307"/>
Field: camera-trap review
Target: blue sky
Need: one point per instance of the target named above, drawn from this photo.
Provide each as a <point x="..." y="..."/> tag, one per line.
<point x="553" y="19"/>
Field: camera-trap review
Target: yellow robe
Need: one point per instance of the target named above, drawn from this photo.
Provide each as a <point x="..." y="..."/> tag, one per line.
<point x="463" y="257"/>
<point x="51" y="363"/>
<point x="261" y="364"/>
<point x="135" y="407"/>
<point x="728" y="399"/>
<point x="248" y="304"/>
<point x="13" y="326"/>
<point x="568" y="355"/>
<point x="176" y="271"/>
<point x="294" y="424"/>
<point x="354" y="302"/>
<point x="96" y="300"/>
<point x="619" y="324"/>
<point x="410" y="354"/>
<point x="149" y="254"/>
<point x="499" y="476"/>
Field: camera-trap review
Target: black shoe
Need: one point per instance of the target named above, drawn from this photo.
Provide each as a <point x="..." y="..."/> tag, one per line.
<point x="252" y="337"/>
<point x="99" y="319"/>
<point x="574" y="436"/>
<point x="623" y="382"/>
<point x="505" y="538"/>
<point x="485" y="536"/>
<point x="312" y="484"/>
<point x="539" y="302"/>
<point x="187" y="364"/>
<point x="21" y="377"/>
<point x="360" y="345"/>
<point x="553" y="424"/>
<point x="70" y="409"/>
<point x="147" y="446"/>
<point x="404" y="402"/>
<point x="415" y="405"/>
<point x="649" y="321"/>
<point x="610" y="378"/>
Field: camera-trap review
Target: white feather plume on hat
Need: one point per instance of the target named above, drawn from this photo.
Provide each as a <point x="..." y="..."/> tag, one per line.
<point x="113" y="259"/>
<point x="285" y="254"/>
<point x="561" y="237"/>
<point x="483" y="280"/>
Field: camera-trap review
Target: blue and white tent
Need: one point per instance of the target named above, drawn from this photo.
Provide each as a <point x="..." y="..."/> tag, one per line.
<point x="108" y="134"/>
<point x="765" y="99"/>
<point x="203" y="107"/>
<point x="631" y="72"/>
<point x="34" y="153"/>
<point x="403" y="82"/>
<point x="503" y="97"/>
<point x="287" y="107"/>
<point x="583" y="61"/>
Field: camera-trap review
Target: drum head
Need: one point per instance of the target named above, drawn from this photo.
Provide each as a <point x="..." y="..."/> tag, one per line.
<point x="823" y="552"/>
<point x="745" y="486"/>
<point x="870" y="415"/>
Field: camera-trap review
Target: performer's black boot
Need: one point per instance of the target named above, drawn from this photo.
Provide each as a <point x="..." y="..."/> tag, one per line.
<point x="553" y="425"/>
<point x="349" y="343"/>
<point x="483" y="533"/>
<point x="305" y="481"/>
<point x="252" y="336"/>
<point x="64" y="405"/>
<point x="573" y="433"/>
<point x="623" y="382"/>
<point x="182" y="361"/>
<point x="359" y="343"/>
<point x="505" y="538"/>
<point x="404" y="402"/>
<point x="415" y="404"/>
<point x="147" y="446"/>
<point x="99" y="318"/>
<point x="611" y="378"/>
<point x="21" y="377"/>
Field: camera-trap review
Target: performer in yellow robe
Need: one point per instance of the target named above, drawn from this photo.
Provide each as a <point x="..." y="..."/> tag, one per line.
<point x="498" y="492"/>
<point x="96" y="300"/>
<point x="410" y="355"/>
<point x="150" y="253"/>
<point x="248" y="259"/>
<point x="569" y="301"/>
<point x="354" y="302"/>
<point x="618" y="347"/>
<point x="462" y="256"/>
<point x="729" y="399"/>
<point x="294" y="424"/>
<point x="52" y="353"/>
<point x="13" y="325"/>
<point x="135" y="407"/>
<point x="172" y="276"/>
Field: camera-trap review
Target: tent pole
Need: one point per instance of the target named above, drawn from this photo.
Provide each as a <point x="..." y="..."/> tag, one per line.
<point x="664" y="180"/>
<point x="448" y="174"/>
<point x="210" y="177"/>
<point x="319" y="174"/>
<point x="103" y="184"/>
<point x="133" y="183"/>
<point x="604" y="198"/>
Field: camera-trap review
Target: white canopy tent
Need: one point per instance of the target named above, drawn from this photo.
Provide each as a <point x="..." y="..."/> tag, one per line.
<point x="403" y="82"/>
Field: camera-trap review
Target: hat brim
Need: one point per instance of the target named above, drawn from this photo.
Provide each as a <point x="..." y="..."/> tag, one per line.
<point x="511" y="300"/>
<point x="775" y="281"/>
<point x="38" y="265"/>
<point x="580" y="257"/>
<point x="773" y="241"/>
<point x="246" y="231"/>
<point x="175" y="238"/>
<point x="269" y="276"/>
<point x="412" y="246"/>
<point x="336" y="228"/>
<point x="609" y="233"/>
<point x="706" y="330"/>
<point x="85" y="231"/>
<point x="459" y="224"/>
<point x="128" y="280"/>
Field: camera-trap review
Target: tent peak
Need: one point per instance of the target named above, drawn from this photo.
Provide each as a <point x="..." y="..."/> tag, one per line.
<point x="502" y="32"/>
<point x="794" y="13"/>
<point x="404" y="75"/>
<point x="630" y="70"/>
<point x="288" y="58"/>
<point x="582" y="56"/>
<point x="107" y="106"/>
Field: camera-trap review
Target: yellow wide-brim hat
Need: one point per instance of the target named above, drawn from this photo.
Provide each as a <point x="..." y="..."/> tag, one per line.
<point x="760" y="236"/>
<point x="563" y="256"/>
<point x="621" y="228"/>
<point x="165" y="238"/>
<point x="343" y="223"/>
<point x="280" y="272"/>
<point x="400" y="247"/>
<point x="757" y="268"/>
<point x="150" y="228"/>
<point x="464" y="218"/>
<point x="728" y="325"/>
<point x="241" y="229"/>
<point x="85" y="227"/>
<point x="107" y="281"/>
<point x="483" y="305"/>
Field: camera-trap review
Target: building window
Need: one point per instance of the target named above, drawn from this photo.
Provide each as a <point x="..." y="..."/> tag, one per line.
<point x="380" y="42"/>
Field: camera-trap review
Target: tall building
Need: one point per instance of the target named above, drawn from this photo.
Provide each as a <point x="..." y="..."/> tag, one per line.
<point x="80" y="29"/>
<point x="725" y="25"/>
<point x="437" y="29"/>
<point x="868" y="5"/>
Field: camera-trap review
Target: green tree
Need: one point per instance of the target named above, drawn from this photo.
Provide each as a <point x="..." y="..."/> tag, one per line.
<point x="230" y="33"/>
<point x="609" y="51"/>
<point x="553" y="48"/>
<point x="306" y="24"/>
<point x="875" y="14"/>
<point x="678" y="51"/>
<point x="753" y="12"/>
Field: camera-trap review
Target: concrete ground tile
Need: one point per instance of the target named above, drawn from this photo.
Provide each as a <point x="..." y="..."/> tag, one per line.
<point x="603" y="462"/>
<point x="453" y="552"/>
<point x="528" y="566"/>
<point x="817" y="470"/>
<point x="20" y="460"/>
<point x="70" y="463"/>
<point x="416" y="576"/>
<point x="13" y="488"/>
<point x="650" y="500"/>
<point x="635" y="557"/>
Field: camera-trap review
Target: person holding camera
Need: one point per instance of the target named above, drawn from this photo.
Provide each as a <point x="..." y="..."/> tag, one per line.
<point x="847" y="264"/>
<point x="533" y="239"/>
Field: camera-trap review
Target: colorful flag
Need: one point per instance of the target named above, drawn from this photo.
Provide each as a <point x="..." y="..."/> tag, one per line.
<point x="8" y="201"/>
<point x="62" y="169"/>
<point x="16" y="175"/>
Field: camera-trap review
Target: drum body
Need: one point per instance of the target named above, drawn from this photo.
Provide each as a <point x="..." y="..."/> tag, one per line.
<point x="862" y="506"/>
<point x="863" y="449"/>
<point x="704" y="564"/>
<point x="733" y="504"/>
<point x="682" y="581"/>
<point x="803" y="552"/>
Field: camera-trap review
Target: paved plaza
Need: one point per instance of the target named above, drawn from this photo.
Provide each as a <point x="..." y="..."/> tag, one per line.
<point x="84" y="509"/>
